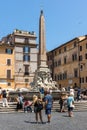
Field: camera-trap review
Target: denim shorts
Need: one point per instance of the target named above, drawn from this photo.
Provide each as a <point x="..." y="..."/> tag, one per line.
<point x="48" y="111"/>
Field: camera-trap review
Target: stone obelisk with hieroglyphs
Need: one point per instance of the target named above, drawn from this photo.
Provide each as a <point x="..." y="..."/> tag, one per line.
<point x="42" y="75"/>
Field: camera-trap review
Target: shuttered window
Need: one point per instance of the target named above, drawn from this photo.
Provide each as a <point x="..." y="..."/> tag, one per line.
<point x="8" y="74"/>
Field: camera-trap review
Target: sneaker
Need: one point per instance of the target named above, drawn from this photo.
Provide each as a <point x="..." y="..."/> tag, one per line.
<point x="48" y="122"/>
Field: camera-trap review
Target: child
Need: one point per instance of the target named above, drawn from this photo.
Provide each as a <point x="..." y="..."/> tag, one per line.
<point x="27" y="106"/>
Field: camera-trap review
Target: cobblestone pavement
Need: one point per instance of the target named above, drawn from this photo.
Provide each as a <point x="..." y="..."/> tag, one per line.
<point x="59" y="121"/>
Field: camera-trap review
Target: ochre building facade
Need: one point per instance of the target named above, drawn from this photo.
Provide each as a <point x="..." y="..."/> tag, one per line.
<point x="6" y="66"/>
<point x="68" y="63"/>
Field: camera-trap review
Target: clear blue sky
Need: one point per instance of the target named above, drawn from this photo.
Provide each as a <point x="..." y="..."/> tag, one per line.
<point x="64" y="19"/>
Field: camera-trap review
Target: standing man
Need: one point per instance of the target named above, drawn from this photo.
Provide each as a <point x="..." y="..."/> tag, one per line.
<point x="48" y="104"/>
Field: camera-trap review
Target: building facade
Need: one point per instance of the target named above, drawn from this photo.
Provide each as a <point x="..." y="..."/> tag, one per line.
<point x="83" y="62"/>
<point x="68" y="63"/>
<point x="24" y="57"/>
<point x="6" y="65"/>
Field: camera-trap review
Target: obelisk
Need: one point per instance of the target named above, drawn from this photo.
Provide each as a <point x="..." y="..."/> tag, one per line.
<point x="42" y="74"/>
<point x="42" y="43"/>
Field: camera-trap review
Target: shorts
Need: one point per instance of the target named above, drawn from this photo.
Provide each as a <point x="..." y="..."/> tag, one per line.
<point x="70" y="109"/>
<point x="48" y="111"/>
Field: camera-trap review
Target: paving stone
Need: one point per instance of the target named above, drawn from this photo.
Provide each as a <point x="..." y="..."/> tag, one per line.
<point x="59" y="121"/>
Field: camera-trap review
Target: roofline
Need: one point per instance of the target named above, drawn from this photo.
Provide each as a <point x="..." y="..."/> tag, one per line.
<point x="76" y="38"/>
<point x="63" y="44"/>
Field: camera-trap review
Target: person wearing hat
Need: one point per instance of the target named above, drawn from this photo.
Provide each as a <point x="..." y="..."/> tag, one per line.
<point x="70" y="104"/>
<point x="38" y="106"/>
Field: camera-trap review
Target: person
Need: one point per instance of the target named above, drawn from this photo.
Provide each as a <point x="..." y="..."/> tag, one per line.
<point x="19" y="102"/>
<point x="27" y="106"/>
<point x="79" y="94"/>
<point x="7" y="94"/>
<point x="0" y="93"/>
<point x="37" y="108"/>
<point x="70" y="104"/>
<point x="61" y="104"/>
<point x="48" y="104"/>
<point x="4" y="96"/>
<point x="41" y="89"/>
<point x="72" y="90"/>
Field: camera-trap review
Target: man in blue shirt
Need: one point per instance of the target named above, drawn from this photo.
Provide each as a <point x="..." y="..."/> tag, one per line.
<point x="48" y="104"/>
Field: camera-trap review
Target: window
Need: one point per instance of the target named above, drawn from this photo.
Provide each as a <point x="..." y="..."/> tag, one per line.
<point x="8" y="74"/>
<point x="74" y="57"/>
<point x="60" y="76"/>
<point x="80" y="48"/>
<point x="26" y="58"/>
<point x="86" y="56"/>
<point x="65" y="75"/>
<point x="9" y="84"/>
<point x="59" y="51"/>
<point x="81" y="67"/>
<point x="55" y="53"/>
<point x="26" y="40"/>
<point x="76" y="73"/>
<point x="26" y="80"/>
<point x="75" y="44"/>
<point x="64" y="48"/>
<point x="26" y="49"/>
<point x="82" y="79"/>
<point x="59" y="62"/>
<point x="64" y="60"/>
<point x="86" y="45"/>
<point x="80" y="58"/>
<point x="55" y="64"/>
<point x="9" y="51"/>
<point x="86" y="79"/>
<point x="8" y="61"/>
<point x="26" y="70"/>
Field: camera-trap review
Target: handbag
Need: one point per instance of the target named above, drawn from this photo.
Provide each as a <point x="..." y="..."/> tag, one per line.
<point x="40" y="106"/>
